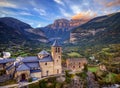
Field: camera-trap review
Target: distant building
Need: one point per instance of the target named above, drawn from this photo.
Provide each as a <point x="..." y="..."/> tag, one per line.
<point x="76" y="64"/>
<point x="44" y="64"/>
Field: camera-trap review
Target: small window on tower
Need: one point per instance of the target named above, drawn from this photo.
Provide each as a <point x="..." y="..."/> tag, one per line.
<point x="45" y="63"/>
<point x="56" y="50"/>
<point x="59" y="57"/>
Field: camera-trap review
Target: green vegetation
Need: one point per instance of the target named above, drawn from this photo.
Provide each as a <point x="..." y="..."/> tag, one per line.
<point x="93" y="68"/>
<point x="34" y="85"/>
<point x="68" y="77"/>
<point x="73" y="54"/>
<point x="47" y="83"/>
<point x="2" y="72"/>
<point x="8" y="82"/>
<point x="82" y="75"/>
<point x="30" y="80"/>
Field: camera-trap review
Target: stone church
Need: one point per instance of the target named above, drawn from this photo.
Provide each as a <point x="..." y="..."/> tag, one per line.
<point x="44" y="64"/>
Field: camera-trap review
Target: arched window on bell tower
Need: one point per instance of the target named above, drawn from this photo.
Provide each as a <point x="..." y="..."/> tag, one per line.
<point x="56" y="49"/>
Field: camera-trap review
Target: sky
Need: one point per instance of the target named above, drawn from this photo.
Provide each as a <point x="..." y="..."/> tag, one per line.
<point x="39" y="13"/>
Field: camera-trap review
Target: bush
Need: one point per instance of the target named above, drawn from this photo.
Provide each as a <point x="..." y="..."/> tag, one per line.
<point x="82" y="75"/>
<point x="34" y="85"/>
<point x="43" y="84"/>
<point x="30" y="80"/>
<point x="2" y="72"/>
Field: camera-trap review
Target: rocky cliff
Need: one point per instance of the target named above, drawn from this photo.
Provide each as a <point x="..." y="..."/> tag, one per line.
<point x="61" y="28"/>
<point x="99" y="30"/>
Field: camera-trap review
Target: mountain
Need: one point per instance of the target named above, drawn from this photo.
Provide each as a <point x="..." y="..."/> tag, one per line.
<point x="99" y="30"/>
<point x="61" y="28"/>
<point x="15" y="31"/>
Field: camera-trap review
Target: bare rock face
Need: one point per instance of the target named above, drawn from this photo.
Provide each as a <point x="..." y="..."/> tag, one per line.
<point x="76" y="22"/>
<point x="99" y="30"/>
<point x="61" y="28"/>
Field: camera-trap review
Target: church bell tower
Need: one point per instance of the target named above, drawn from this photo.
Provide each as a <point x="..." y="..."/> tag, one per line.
<point x="56" y="51"/>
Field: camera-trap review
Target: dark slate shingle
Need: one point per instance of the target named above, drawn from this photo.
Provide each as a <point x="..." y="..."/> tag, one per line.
<point x="43" y="52"/>
<point x="22" y="67"/>
<point x="56" y="44"/>
<point x="46" y="59"/>
<point x="6" y="61"/>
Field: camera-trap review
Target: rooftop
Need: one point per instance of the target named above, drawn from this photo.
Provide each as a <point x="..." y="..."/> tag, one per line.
<point x="6" y="60"/>
<point x="22" y="67"/>
<point x="46" y="59"/>
<point x="43" y="52"/>
<point x="56" y="43"/>
<point x="37" y="70"/>
<point x="30" y="59"/>
<point x="32" y="64"/>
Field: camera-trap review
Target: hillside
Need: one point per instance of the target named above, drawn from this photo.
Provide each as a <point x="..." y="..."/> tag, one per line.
<point x="16" y="32"/>
<point x="61" y="28"/>
<point x="99" y="30"/>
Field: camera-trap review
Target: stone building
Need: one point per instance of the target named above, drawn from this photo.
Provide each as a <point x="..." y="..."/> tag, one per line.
<point x="44" y="64"/>
<point x="76" y="64"/>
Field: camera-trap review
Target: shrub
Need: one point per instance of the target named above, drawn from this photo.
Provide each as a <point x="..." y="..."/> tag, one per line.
<point x="30" y="80"/>
<point x="34" y="85"/>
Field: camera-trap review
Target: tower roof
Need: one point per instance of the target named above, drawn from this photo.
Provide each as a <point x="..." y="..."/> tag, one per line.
<point x="56" y="43"/>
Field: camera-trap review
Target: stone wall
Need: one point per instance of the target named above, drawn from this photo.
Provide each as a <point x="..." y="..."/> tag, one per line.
<point x="75" y="64"/>
<point x="36" y="74"/>
<point x="47" y="68"/>
<point x="56" y="54"/>
<point x="18" y="74"/>
<point x="11" y="71"/>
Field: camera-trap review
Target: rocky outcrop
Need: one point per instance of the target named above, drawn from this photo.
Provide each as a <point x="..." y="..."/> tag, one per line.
<point x="99" y="30"/>
<point x="61" y="28"/>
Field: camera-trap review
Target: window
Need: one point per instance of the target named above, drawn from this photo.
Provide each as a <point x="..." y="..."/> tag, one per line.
<point x="56" y="50"/>
<point x="59" y="57"/>
<point x="73" y="67"/>
<point x="46" y="63"/>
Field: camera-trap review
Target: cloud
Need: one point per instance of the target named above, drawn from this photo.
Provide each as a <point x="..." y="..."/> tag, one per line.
<point x="113" y="3"/>
<point x="42" y="12"/>
<point x="64" y="13"/>
<point x="76" y="9"/>
<point x="7" y="4"/>
<point x="26" y="13"/>
<point x="85" y="15"/>
<point x="59" y="2"/>
<point x="39" y="25"/>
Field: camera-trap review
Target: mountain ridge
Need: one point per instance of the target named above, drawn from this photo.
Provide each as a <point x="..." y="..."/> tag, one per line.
<point x="16" y="31"/>
<point x="99" y="30"/>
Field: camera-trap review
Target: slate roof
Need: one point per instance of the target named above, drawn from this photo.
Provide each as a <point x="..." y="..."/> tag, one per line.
<point x="10" y="67"/>
<point x="46" y="59"/>
<point x="37" y="70"/>
<point x="56" y="44"/>
<point x="6" y="61"/>
<point x="32" y="64"/>
<point x="22" y="67"/>
<point x="30" y="59"/>
<point x="43" y="52"/>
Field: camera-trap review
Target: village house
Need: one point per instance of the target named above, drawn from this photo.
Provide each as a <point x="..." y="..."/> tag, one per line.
<point x="44" y="64"/>
<point x="76" y="64"/>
